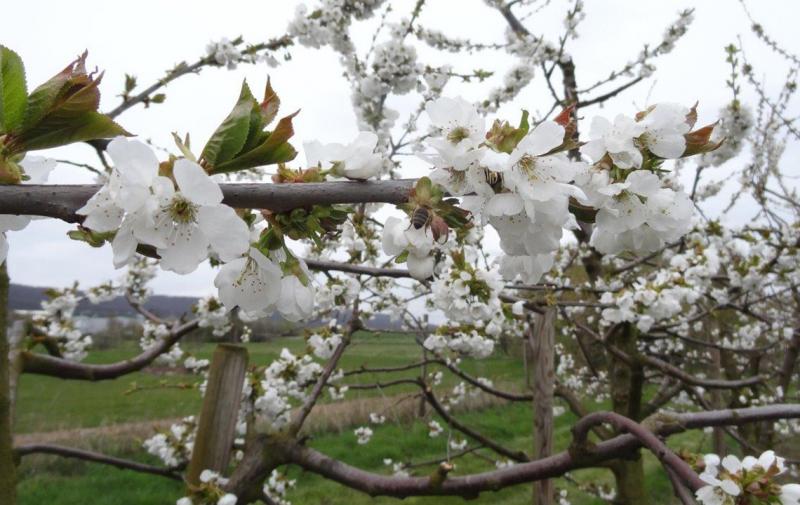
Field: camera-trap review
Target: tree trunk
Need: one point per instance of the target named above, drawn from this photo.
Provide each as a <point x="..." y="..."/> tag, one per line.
<point x="717" y="396"/>
<point x="629" y="477"/>
<point x="792" y="352"/>
<point x="542" y="366"/>
<point x="8" y="469"/>
<point x="626" y="396"/>
<point x="717" y="401"/>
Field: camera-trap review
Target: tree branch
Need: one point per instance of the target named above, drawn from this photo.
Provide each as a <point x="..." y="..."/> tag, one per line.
<point x="646" y="437"/>
<point x="554" y="466"/>
<point x="61" y="201"/>
<point x="96" y="457"/>
<point x="40" y="364"/>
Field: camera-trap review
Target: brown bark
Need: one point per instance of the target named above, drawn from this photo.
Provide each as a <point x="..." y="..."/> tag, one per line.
<point x="717" y="401"/>
<point x="626" y="397"/>
<point x="792" y="352"/>
<point x="61" y="201"/>
<point x="629" y="479"/>
<point x="42" y="364"/>
<point x="471" y="486"/>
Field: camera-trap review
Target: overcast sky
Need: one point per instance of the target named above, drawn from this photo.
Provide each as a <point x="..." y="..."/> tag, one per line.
<point x="148" y="37"/>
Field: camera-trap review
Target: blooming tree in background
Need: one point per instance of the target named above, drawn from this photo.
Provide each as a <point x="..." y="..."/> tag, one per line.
<point x="618" y="276"/>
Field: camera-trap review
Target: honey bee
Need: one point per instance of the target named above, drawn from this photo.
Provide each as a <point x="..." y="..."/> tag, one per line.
<point x="421" y="217"/>
<point x="493" y="179"/>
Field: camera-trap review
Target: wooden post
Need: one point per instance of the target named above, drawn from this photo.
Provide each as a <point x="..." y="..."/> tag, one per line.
<point x="217" y="424"/>
<point x="8" y="469"/>
<point x="542" y="368"/>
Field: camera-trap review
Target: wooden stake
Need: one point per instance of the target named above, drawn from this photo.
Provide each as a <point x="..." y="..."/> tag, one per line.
<point x="217" y="424"/>
<point x="542" y="369"/>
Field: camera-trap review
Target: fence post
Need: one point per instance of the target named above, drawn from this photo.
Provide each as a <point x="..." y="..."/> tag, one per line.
<point x="217" y="424"/>
<point x="542" y="370"/>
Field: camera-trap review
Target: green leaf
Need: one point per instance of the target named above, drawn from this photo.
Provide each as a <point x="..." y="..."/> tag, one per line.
<point x="256" y="134"/>
<point x="275" y="149"/>
<point x="401" y="258"/>
<point x="13" y="91"/>
<point x="53" y="132"/>
<point x="42" y="99"/>
<point x="93" y="238"/>
<point x="230" y="136"/>
<point x="68" y="90"/>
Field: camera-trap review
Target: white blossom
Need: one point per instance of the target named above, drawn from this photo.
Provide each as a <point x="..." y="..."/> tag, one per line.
<point x="356" y="160"/>
<point x="363" y="435"/>
<point x="616" y="139"/>
<point x="252" y="283"/>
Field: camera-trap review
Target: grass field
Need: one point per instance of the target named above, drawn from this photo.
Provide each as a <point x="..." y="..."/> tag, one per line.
<point x="47" y="404"/>
<point x="50" y="404"/>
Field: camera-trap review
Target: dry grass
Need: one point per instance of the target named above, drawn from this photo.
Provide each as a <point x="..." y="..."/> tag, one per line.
<point x="326" y="418"/>
<point x="338" y="417"/>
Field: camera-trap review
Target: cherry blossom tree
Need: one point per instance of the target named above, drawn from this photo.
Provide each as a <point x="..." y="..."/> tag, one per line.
<point x="616" y="268"/>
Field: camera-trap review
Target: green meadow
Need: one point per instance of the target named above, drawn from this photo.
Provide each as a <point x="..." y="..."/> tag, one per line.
<point x="46" y="405"/>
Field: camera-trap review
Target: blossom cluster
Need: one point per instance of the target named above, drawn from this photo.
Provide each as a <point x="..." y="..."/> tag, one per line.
<point x="152" y="335"/>
<point x="521" y="181"/>
<point x="209" y="492"/>
<point x="324" y="341"/>
<point x="224" y="53"/>
<point x="466" y="292"/>
<point x="179" y="212"/>
<point x="730" y="481"/>
<point x="471" y="342"/>
<point x="276" y="486"/>
<point x="665" y="294"/>
<point x="285" y="379"/>
<point x="212" y="314"/>
<point x="174" y="447"/>
<point x="56" y="325"/>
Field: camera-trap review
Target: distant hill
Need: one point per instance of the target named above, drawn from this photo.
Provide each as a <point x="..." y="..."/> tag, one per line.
<point x="30" y="298"/>
<point x="22" y="297"/>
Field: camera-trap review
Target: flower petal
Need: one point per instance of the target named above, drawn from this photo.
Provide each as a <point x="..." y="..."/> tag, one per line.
<point x="13" y="223"/>
<point x="543" y="139"/>
<point x="420" y="267"/>
<point x="124" y="245"/>
<point x="195" y="183"/>
<point x="134" y="160"/>
<point x="37" y="168"/>
<point x="227" y="233"/>
<point x="188" y="248"/>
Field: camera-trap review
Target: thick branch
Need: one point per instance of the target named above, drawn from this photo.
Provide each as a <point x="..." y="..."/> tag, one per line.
<point x="61" y="201"/>
<point x="553" y="466"/>
<point x="647" y="438"/>
<point x="96" y="457"/>
<point x="41" y="364"/>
